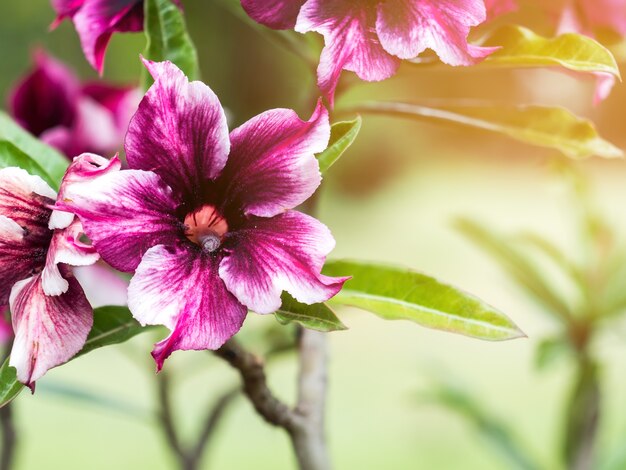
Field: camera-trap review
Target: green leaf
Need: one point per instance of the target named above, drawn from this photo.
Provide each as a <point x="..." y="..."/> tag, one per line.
<point x="342" y="135"/>
<point x="493" y="430"/>
<point x="9" y="386"/>
<point x="318" y="317"/>
<point x="111" y="325"/>
<point x="19" y="148"/>
<point x="520" y="47"/>
<point x="400" y="294"/>
<point x="10" y="155"/>
<point x="543" y="126"/>
<point x="167" y="39"/>
<point x="522" y="271"/>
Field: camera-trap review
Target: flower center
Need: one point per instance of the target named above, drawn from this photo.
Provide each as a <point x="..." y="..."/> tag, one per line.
<point x="206" y="227"/>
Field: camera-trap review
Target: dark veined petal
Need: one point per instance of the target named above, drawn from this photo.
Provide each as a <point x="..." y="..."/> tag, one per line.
<point x="270" y="255"/>
<point x="124" y="214"/>
<point x="49" y="330"/>
<point x="24" y="233"/>
<point x="83" y="168"/>
<point x="406" y="28"/>
<point x="272" y="166"/>
<point x="276" y="14"/>
<point x="179" y="287"/>
<point x="179" y="131"/>
<point x="97" y="20"/>
<point x="65" y="247"/>
<point x="350" y="42"/>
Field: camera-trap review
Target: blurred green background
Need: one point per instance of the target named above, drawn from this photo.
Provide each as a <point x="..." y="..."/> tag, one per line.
<point x="391" y="198"/>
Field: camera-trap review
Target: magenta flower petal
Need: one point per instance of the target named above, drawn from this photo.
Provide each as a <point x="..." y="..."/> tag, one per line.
<point x="285" y="252"/>
<point x="350" y="41"/>
<point x="124" y="214"/>
<point x="408" y="27"/>
<point x="83" y="168"/>
<point x="65" y="9"/>
<point x="49" y="330"/>
<point x="272" y="166"/>
<point x="179" y="131"/>
<point x="276" y="14"/>
<point x="24" y="234"/>
<point x="97" y="20"/>
<point x="65" y="247"/>
<point x="179" y="287"/>
<point x="46" y="98"/>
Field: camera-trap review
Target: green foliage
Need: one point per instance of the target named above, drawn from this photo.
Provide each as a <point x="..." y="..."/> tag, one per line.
<point x="318" y="317"/>
<point x="493" y="430"/>
<point x="21" y="149"/>
<point x="342" y="135"/>
<point x="167" y="39"/>
<point x="516" y="264"/>
<point x="520" y="47"/>
<point x="550" y="127"/>
<point x="9" y="386"/>
<point x="111" y="325"/>
<point x="401" y="294"/>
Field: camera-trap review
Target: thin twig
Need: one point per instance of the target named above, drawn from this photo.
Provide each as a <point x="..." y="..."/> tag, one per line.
<point x="189" y="457"/>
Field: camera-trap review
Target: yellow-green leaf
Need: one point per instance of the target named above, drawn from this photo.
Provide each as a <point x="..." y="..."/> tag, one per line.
<point x="543" y="126"/>
<point x="401" y="294"/>
<point x="521" y="47"/>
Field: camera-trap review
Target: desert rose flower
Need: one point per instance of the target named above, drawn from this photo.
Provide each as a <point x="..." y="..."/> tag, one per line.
<point x="52" y="104"/>
<point x="97" y="20"/>
<point x="50" y="314"/>
<point x="204" y="219"/>
<point x="371" y="37"/>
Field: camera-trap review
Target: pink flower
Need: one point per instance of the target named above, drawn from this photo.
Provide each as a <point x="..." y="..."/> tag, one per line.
<point x="370" y="37"/>
<point x="50" y="314"/>
<point x="53" y="105"/>
<point x="97" y="20"/>
<point x="204" y="219"/>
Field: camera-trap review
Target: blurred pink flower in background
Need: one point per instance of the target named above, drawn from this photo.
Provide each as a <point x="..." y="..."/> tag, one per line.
<point x="370" y="38"/>
<point x="52" y="104"/>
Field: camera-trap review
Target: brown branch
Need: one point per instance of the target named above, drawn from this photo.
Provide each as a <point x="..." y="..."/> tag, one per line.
<point x="305" y="422"/>
<point x="255" y="387"/>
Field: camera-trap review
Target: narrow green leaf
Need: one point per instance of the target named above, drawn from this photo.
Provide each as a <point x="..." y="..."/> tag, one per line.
<point x="493" y="430"/>
<point x="18" y="144"/>
<point x="10" y="155"/>
<point x="167" y="39"/>
<point x="111" y="325"/>
<point x="525" y="274"/>
<point x="520" y="47"/>
<point x="342" y="135"/>
<point x="9" y="386"/>
<point x="400" y="294"/>
<point x="543" y="126"/>
<point x="318" y="317"/>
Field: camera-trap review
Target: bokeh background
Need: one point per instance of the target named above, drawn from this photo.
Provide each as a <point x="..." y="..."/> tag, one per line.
<point x="391" y="198"/>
